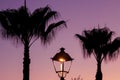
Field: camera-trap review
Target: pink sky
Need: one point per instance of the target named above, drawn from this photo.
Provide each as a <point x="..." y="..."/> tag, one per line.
<point x="80" y="15"/>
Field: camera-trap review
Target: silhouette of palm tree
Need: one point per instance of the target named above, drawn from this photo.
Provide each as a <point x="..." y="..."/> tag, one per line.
<point x="98" y="42"/>
<point x="25" y="27"/>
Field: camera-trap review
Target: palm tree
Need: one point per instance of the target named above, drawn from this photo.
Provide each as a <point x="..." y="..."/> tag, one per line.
<point x="97" y="42"/>
<point x="25" y="27"/>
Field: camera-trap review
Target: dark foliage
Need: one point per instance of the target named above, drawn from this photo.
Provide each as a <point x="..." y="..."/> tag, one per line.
<point x="25" y="27"/>
<point x="98" y="42"/>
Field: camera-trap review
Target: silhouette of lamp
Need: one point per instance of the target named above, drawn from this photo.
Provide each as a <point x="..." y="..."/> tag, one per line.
<point x="62" y="63"/>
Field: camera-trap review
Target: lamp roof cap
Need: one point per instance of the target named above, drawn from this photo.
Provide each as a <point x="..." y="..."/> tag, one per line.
<point x="62" y="54"/>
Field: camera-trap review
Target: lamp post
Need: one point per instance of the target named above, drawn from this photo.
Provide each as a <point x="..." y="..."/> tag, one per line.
<point x="62" y="63"/>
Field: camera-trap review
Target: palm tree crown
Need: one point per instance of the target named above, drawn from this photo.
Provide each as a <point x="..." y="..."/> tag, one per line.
<point x="99" y="43"/>
<point x="21" y="24"/>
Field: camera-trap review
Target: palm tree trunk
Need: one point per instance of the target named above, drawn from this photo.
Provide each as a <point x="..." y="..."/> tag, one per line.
<point x="99" y="72"/>
<point x="26" y="62"/>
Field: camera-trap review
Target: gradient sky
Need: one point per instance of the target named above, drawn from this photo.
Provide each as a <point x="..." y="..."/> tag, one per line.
<point x="80" y="15"/>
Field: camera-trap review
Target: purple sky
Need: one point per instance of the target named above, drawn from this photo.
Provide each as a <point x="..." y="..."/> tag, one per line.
<point x="80" y="15"/>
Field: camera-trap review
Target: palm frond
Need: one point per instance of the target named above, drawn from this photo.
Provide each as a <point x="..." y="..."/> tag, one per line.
<point x="51" y="30"/>
<point x="115" y="45"/>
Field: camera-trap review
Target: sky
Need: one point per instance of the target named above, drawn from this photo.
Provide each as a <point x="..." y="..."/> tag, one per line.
<point x="80" y="15"/>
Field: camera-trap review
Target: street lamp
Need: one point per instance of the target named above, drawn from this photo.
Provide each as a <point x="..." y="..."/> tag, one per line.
<point x="62" y="63"/>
